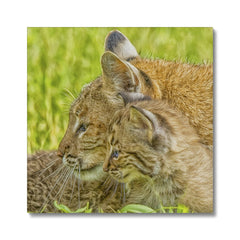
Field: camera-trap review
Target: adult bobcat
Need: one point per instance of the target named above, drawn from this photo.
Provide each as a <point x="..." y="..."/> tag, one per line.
<point x="186" y="87"/>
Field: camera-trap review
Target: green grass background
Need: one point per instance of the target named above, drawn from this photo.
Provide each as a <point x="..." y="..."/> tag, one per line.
<point x="61" y="60"/>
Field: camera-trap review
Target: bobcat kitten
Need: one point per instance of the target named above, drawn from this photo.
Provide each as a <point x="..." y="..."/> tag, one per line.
<point x="153" y="149"/>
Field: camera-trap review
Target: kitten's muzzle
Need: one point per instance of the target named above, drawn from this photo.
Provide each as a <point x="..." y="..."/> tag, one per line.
<point x="105" y="166"/>
<point x="109" y="165"/>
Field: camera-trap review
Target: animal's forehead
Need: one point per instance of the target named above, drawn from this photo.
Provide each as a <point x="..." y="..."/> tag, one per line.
<point x="90" y="97"/>
<point x="94" y="105"/>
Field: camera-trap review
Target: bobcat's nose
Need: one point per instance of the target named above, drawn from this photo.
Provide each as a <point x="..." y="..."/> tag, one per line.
<point x="109" y="165"/>
<point x="59" y="153"/>
<point x="63" y="148"/>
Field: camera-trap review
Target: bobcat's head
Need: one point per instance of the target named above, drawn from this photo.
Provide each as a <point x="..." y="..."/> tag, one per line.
<point x="83" y="146"/>
<point x="131" y="147"/>
<point x="145" y="139"/>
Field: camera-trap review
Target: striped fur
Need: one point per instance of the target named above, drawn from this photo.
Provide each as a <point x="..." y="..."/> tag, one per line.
<point x="160" y="157"/>
<point x="42" y="189"/>
<point x="186" y="87"/>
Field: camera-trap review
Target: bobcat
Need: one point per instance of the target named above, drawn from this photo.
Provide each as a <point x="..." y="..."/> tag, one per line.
<point x="186" y="87"/>
<point x="153" y="144"/>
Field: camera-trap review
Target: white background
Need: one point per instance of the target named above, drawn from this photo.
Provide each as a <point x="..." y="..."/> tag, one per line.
<point x="16" y="16"/>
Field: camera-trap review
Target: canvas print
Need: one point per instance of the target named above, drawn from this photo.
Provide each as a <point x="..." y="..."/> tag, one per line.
<point x="120" y="120"/>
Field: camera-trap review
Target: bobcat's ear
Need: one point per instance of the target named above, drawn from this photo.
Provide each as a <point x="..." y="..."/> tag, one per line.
<point x="118" y="74"/>
<point x="144" y="120"/>
<point x="157" y="133"/>
<point x="117" y="43"/>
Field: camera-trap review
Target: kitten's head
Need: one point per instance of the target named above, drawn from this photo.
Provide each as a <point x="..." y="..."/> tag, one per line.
<point x="142" y="138"/>
<point x="132" y="150"/>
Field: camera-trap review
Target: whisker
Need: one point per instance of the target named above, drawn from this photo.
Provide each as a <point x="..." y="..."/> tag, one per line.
<point x="52" y="161"/>
<point x="70" y="93"/>
<point x="65" y="183"/>
<point x="115" y="189"/>
<point x="44" y="154"/>
<point x="121" y="185"/>
<point x="73" y="185"/>
<point x="57" y="181"/>
<point x="61" y="185"/>
<point x="47" y="167"/>
<point x="106" y="180"/>
<point x="54" y="173"/>
<point x="79" y="186"/>
<point x="124" y="189"/>
<point x="109" y="186"/>
<point x="65" y="174"/>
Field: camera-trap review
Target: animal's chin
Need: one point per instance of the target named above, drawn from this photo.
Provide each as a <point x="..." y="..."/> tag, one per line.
<point x="125" y="176"/>
<point x="91" y="174"/>
<point x="118" y="177"/>
<point x="87" y="173"/>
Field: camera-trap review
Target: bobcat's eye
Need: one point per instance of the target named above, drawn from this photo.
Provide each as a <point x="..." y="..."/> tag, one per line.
<point x="115" y="154"/>
<point x="82" y="128"/>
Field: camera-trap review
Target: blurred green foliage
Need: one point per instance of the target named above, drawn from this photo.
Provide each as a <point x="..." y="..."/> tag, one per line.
<point x="61" y="60"/>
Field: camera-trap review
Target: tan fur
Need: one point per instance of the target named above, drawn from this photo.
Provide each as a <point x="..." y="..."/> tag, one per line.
<point x="97" y="103"/>
<point x="170" y="167"/>
<point x="186" y="87"/>
<point x="94" y="108"/>
<point x="40" y="198"/>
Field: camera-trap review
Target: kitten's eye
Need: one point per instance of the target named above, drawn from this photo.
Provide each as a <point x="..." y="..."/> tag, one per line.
<point x="82" y="128"/>
<point x="115" y="154"/>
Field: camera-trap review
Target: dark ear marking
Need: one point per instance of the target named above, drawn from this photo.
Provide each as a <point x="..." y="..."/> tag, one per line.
<point x="113" y="39"/>
<point x="129" y="97"/>
<point x="117" y="43"/>
<point x="147" y="79"/>
<point x="130" y="59"/>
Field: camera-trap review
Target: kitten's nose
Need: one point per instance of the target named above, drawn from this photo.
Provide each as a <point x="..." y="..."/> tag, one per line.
<point x="105" y="166"/>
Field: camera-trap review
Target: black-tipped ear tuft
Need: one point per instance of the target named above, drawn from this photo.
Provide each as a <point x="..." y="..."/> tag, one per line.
<point x="117" y="43"/>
